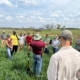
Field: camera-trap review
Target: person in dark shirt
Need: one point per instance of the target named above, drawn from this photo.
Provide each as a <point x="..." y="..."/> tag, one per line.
<point x="37" y="46"/>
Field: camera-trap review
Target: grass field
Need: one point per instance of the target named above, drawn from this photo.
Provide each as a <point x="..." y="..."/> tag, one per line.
<point x="16" y="69"/>
<point x="52" y="32"/>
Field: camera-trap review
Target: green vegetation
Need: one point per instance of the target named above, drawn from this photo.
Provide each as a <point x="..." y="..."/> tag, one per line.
<point x="43" y="32"/>
<point x="16" y="69"/>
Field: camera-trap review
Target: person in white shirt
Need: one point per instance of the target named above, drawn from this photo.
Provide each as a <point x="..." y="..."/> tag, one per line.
<point x="21" y="41"/>
<point x="65" y="64"/>
<point x="55" y="44"/>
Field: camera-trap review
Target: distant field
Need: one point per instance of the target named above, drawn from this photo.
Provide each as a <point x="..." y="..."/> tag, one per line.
<point x="52" y="32"/>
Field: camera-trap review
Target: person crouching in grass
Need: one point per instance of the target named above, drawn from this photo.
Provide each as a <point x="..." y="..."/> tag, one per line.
<point x="9" y="46"/>
<point x="37" y="46"/>
<point x="21" y="41"/>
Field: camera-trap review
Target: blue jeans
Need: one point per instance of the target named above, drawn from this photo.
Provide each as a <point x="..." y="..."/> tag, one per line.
<point x="54" y="49"/>
<point x="37" y="64"/>
<point x="8" y="52"/>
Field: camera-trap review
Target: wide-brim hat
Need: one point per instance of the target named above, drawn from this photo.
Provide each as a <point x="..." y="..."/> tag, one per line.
<point x="3" y="31"/>
<point x="37" y="37"/>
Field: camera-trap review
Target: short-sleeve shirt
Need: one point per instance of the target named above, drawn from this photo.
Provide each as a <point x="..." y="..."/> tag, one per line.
<point x="21" y="40"/>
<point x="3" y="37"/>
<point x="28" y="39"/>
<point x="9" y="42"/>
<point x="37" y="47"/>
<point x="47" y="41"/>
<point x="55" y="43"/>
<point x="14" y="39"/>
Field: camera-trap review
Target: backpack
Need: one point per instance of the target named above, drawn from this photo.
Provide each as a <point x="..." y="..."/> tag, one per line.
<point x="50" y="41"/>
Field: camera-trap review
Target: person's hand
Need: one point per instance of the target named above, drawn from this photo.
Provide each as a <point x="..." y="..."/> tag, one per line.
<point x="11" y="47"/>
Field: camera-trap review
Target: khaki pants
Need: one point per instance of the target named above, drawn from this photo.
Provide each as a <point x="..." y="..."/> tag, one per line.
<point x="2" y="43"/>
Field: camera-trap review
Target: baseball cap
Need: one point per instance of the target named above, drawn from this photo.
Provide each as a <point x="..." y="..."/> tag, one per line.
<point x="67" y="34"/>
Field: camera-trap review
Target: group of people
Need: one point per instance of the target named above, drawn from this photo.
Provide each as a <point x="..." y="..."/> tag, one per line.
<point x="14" y="42"/>
<point x="64" y="64"/>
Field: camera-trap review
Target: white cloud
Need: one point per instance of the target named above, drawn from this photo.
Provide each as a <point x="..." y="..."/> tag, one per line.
<point x="6" y="2"/>
<point x="27" y="2"/>
<point x="20" y="17"/>
<point x="78" y="19"/>
<point x="1" y="15"/>
<point x="1" y="20"/>
<point x="59" y="12"/>
<point x="32" y="17"/>
<point x="9" y="18"/>
<point x="73" y="20"/>
<point x="66" y="19"/>
<point x="54" y="15"/>
<point x="71" y="15"/>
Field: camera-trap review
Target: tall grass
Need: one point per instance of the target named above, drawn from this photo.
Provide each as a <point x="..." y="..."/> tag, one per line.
<point x="16" y="69"/>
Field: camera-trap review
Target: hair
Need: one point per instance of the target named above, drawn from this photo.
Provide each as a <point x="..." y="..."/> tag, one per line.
<point x="47" y="35"/>
<point x="67" y="38"/>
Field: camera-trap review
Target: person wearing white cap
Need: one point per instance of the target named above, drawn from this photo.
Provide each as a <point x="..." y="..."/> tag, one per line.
<point x="65" y="64"/>
<point x="3" y="38"/>
<point x="37" y="46"/>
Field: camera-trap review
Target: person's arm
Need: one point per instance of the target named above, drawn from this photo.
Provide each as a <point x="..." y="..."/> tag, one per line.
<point x="30" y="47"/>
<point x="52" y="69"/>
<point x="8" y="44"/>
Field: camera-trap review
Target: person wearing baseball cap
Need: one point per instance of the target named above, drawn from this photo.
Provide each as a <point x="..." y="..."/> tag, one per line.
<point x="3" y="38"/>
<point x="65" y="64"/>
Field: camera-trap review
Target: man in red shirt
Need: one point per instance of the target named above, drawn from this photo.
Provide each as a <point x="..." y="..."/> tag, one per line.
<point x="28" y="39"/>
<point x="37" y="46"/>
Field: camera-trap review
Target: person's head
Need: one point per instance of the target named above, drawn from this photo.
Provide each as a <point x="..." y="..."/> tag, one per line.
<point x="37" y="37"/>
<point x="8" y="35"/>
<point x="66" y="38"/>
<point x="46" y="35"/>
<point x="28" y="34"/>
<point x="55" y="38"/>
<point x="20" y="34"/>
<point x="3" y="32"/>
<point x="14" y="32"/>
<point x="33" y="33"/>
<point x="24" y="34"/>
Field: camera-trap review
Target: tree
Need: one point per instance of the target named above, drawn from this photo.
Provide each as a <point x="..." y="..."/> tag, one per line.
<point x="64" y="27"/>
<point x="58" y="26"/>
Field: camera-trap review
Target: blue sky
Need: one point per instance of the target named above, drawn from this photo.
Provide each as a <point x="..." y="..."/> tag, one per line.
<point x="36" y="13"/>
